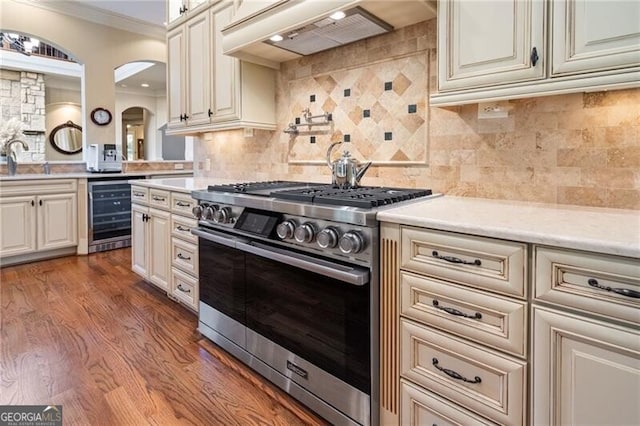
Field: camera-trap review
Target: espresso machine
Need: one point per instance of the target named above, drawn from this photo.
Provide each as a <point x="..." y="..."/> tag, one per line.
<point x="104" y="158"/>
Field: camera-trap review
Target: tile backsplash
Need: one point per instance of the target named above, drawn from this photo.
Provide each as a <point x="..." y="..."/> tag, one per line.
<point x="581" y="149"/>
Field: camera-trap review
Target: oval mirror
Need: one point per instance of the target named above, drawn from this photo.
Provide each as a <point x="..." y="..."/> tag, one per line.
<point x="67" y="138"/>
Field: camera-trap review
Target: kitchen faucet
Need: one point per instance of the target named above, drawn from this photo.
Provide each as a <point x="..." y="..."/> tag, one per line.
<point x="12" y="162"/>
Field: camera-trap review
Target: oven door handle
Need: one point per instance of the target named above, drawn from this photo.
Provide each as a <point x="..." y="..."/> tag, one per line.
<point x="348" y="274"/>
<point x="216" y="238"/>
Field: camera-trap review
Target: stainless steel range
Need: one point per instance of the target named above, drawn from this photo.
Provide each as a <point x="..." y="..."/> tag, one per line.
<point x="289" y="285"/>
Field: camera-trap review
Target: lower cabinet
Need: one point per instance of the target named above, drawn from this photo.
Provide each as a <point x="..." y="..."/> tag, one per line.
<point x="150" y="238"/>
<point x="586" y="371"/>
<point x="421" y="407"/>
<point x="38" y="219"/>
<point x="164" y="252"/>
<point x="456" y="325"/>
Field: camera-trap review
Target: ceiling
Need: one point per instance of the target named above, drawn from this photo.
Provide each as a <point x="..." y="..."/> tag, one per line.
<point x="150" y="11"/>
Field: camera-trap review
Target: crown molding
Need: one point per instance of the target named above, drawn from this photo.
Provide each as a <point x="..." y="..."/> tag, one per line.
<point x="99" y="16"/>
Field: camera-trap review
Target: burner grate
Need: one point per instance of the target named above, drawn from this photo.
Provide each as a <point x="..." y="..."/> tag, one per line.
<point x="363" y="197"/>
<point x="246" y="187"/>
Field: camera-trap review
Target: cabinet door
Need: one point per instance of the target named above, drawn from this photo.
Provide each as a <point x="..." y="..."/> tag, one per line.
<point x="198" y="69"/>
<point x="159" y="244"/>
<point x="483" y="43"/>
<point x="17" y="226"/>
<point x="585" y="371"/>
<point x="175" y="77"/>
<point x="226" y="70"/>
<point x="174" y="10"/>
<point x="57" y="221"/>
<point x="592" y="35"/>
<point x="139" y="251"/>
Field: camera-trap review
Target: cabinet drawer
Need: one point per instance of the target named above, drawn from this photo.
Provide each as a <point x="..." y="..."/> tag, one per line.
<point x="182" y="203"/>
<point x="588" y="282"/>
<point x="37" y="187"/>
<point x="184" y="287"/>
<point x="484" y="381"/>
<point x="139" y="194"/>
<point x="485" y="318"/>
<point x="159" y="198"/>
<point x="184" y="256"/>
<point x="181" y="227"/>
<point x="421" y="407"/>
<point x="485" y="263"/>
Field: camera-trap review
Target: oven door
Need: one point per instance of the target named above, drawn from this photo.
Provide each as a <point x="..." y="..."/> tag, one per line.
<point x="307" y="317"/>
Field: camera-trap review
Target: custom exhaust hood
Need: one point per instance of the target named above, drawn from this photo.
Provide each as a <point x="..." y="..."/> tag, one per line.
<point x="268" y="32"/>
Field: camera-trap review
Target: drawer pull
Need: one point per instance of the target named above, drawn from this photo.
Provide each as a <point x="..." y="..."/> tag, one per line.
<point x="182" y="228"/>
<point x="455" y="259"/>
<point x="456" y="312"/>
<point x="138" y="194"/>
<point x="181" y="204"/>
<point x="184" y="290"/>
<point x="156" y="198"/>
<point x="453" y="374"/>
<point x="180" y="256"/>
<point x="623" y="291"/>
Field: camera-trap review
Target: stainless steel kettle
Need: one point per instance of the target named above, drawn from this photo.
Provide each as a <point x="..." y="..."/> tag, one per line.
<point x="346" y="171"/>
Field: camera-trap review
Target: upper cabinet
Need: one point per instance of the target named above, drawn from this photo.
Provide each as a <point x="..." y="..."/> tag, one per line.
<point x="209" y="91"/>
<point x="490" y="43"/>
<point x="594" y="36"/>
<point x="490" y="51"/>
<point x="178" y="10"/>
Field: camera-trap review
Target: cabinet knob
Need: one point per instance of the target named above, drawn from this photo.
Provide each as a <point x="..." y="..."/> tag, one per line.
<point x="534" y="56"/>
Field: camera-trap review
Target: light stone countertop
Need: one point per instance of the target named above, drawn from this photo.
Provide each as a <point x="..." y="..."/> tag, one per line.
<point x="185" y="185"/>
<point x="602" y="230"/>
<point x="80" y="175"/>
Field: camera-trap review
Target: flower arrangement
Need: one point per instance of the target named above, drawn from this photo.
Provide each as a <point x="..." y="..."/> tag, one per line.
<point x="9" y="130"/>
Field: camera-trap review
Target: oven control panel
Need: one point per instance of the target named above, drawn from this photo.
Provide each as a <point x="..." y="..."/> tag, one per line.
<point x="322" y="236"/>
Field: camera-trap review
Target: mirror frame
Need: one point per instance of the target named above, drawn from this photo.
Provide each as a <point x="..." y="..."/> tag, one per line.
<point x="59" y="128"/>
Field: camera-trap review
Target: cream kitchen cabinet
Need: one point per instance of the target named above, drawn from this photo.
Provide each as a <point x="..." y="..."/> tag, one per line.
<point x="585" y="371"/>
<point x="38" y="219"/>
<point x="189" y="72"/>
<point x="179" y="10"/>
<point x="491" y="51"/>
<point x="151" y="239"/>
<point x="586" y="338"/>
<point x="208" y="90"/>
<point x="184" y="251"/>
<point x="164" y="251"/>
<point x="453" y="326"/>
<point x="483" y="44"/>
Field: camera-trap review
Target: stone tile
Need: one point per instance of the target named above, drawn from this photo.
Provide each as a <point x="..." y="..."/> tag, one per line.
<point x="583" y="196"/>
<point x="574" y="157"/>
<point x="624" y="157"/>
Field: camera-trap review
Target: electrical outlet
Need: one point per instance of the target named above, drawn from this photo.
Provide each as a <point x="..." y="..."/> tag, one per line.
<point x="493" y="110"/>
<point x="178" y="166"/>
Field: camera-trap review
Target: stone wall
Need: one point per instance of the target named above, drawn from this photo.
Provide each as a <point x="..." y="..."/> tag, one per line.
<point x="22" y="94"/>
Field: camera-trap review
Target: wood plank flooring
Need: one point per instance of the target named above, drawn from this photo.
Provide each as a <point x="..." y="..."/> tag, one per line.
<point x="87" y="333"/>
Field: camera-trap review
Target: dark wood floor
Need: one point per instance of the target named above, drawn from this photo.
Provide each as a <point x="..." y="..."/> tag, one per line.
<point x="87" y="333"/>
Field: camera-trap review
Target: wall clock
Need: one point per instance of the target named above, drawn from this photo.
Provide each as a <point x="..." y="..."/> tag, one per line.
<point x="101" y="116"/>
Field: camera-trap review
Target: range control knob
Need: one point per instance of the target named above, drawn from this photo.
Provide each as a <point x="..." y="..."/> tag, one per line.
<point x="209" y="211"/>
<point x="304" y="233"/>
<point x="328" y="238"/>
<point x="222" y="215"/>
<point x="351" y="242"/>
<point x="197" y="211"/>
<point x="286" y="229"/>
